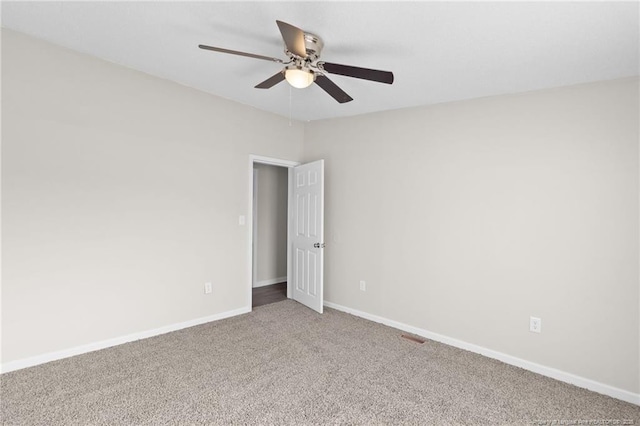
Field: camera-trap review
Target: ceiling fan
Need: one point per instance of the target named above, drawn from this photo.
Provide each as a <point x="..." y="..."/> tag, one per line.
<point x="303" y="67"/>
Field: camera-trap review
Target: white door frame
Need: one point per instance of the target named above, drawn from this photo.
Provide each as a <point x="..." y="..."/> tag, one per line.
<point x="258" y="159"/>
<point x="254" y="230"/>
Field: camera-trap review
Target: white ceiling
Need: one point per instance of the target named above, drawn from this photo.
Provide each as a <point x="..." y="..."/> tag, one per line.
<point x="438" y="51"/>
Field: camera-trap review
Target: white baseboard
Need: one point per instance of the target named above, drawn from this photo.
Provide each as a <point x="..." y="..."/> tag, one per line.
<point x="78" y="350"/>
<point x="563" y="376"/>
<point x="270" y="281"/>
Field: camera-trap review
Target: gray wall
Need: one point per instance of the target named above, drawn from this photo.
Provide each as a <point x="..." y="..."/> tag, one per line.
<point x="120" y="198"/>
<point x="121" y="194"/>
<point x="467" y="218"/>
<point x="271" y="242"/>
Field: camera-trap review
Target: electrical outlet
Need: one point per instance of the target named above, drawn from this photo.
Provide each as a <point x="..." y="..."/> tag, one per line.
<point x="363" y="286"/>
<point x="207" y="288"/>
<point x="535" y="325"/>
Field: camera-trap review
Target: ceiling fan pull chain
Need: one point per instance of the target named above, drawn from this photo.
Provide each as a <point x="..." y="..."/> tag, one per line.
<point x="290" y="96"/>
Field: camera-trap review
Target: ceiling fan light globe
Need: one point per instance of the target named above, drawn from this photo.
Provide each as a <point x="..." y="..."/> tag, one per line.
<point x="299" y="78"/>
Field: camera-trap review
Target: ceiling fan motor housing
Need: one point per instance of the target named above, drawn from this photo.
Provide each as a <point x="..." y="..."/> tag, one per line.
<point x="313" y="44"/>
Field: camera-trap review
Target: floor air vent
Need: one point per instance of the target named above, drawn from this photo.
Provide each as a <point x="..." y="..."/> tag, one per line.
<point x="413" y="338"/>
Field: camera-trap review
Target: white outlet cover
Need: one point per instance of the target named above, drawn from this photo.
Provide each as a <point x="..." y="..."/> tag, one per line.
<point x="207" y="288"/>
<point x="241" y="220"/>
<point x="535" y="325"/>
<point x="363" y="285"/>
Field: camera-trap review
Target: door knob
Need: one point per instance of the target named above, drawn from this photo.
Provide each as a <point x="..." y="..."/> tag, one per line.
<point x="318" y="245"/>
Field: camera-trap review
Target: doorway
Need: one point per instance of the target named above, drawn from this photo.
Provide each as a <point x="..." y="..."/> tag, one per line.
<point x="259" y="161"/>
<point x="270" y="219"/>
<point x="305" y="231"/>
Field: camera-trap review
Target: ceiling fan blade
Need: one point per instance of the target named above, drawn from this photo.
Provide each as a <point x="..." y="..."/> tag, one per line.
<point x="293" y="38"/>
<point x="331" y="88"/>
<point x="235" y="52"/>
<point x="271" y="81"/>
<point x="357" y="72"/>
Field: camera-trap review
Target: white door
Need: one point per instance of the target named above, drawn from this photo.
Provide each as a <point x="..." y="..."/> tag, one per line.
<point x="308" y="234"/>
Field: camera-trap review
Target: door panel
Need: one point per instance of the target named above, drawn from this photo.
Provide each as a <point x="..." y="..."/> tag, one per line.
<point x="308" y="237"/>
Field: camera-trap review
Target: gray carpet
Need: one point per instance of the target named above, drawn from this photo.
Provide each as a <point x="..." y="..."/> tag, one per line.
<point x="284" y="364"/>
